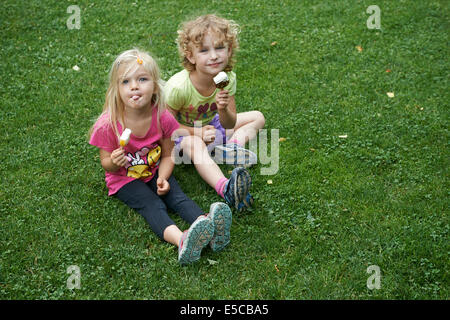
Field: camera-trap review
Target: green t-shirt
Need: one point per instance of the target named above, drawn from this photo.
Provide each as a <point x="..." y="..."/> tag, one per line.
<point x="182" y="96"/>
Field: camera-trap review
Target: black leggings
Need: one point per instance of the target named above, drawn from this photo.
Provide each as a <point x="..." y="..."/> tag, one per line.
<point x="142" y="197"/>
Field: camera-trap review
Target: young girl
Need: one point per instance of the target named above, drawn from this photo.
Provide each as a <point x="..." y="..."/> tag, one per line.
<point x="140" y="173"/>
<point x="207" y="46"/>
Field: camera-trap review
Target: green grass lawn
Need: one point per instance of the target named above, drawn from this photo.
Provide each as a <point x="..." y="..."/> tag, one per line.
<point x="362" y="179"/>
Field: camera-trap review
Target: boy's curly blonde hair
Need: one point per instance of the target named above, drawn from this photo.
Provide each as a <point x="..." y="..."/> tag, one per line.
<point x="192" y="33"/>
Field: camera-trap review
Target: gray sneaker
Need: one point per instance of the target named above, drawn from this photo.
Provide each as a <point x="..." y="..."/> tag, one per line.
<point x="194" y="240"/>
<point x="221" y="217"/>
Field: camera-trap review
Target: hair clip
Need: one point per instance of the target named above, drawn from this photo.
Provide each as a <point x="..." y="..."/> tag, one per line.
<point x="139" y="61"/>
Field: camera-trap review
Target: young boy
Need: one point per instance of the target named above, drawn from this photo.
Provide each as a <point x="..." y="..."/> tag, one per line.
<point x="207" y="46"/>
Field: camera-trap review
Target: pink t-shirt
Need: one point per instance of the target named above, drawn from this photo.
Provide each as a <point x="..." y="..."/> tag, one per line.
<point x="143" y="152"/>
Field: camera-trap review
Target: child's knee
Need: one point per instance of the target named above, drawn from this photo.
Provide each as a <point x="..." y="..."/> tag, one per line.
<point x="259" y="119"/>
<point x="192" y="144"/>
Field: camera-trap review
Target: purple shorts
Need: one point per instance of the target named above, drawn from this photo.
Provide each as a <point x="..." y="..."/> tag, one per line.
<point x="220" y="139"/>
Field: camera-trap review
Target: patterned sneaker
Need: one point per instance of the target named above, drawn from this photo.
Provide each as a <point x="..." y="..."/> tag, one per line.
<point x="247" y="203"/>
<point x="221" y="217"/>
<point x="232" y="153"/>
<point x="236" y="188"/>
<point x="194" y="240"/>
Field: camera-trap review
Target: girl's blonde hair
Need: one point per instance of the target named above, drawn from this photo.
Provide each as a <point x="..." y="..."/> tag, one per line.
<point x="192" y="34"/>
<point x="114" y="106"/>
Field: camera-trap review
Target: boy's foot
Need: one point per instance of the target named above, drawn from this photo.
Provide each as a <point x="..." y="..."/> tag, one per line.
<point x="237" y="188"/>
<point x="221" y="217"/>
<point x="194" y="240"/>
<point x="232" y="153"/>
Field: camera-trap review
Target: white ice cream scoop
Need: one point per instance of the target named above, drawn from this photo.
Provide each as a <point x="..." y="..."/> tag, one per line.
<point x="221" y="80"/>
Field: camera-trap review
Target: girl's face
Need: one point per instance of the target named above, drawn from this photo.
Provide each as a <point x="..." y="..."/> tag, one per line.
<point x="136" y="88"/>
<point x="211" y="57"/>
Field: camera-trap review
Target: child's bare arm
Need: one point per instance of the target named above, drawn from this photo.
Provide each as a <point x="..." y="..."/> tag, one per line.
<point x="226" y="106"/>
<point x="113" y="161"/>
<point x="165" y="166"/>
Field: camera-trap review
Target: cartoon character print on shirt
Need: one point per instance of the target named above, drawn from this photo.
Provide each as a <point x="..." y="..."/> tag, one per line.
<point x="202" y="112"/>
<point x="142" y="162"/>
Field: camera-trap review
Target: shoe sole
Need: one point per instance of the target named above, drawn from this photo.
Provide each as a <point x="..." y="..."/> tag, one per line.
<point x="239" y="157"/>
<point x="221" y="216"/>
<point x="200" y="234"/>
<point x="247" y="203"/>
<point x="241" y="188"/>
<point x="245" y="158"/>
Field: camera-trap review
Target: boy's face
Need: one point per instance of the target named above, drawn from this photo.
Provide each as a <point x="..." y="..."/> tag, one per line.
<point x="211" y="57"/>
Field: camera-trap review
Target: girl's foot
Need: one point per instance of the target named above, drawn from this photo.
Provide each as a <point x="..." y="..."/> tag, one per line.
<point x="247" y="203"/>
<point x="221" y="217"/>
<point x="194" y="240"/>
<point x="232" y="153"/>
<point x="237" y="188"/>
